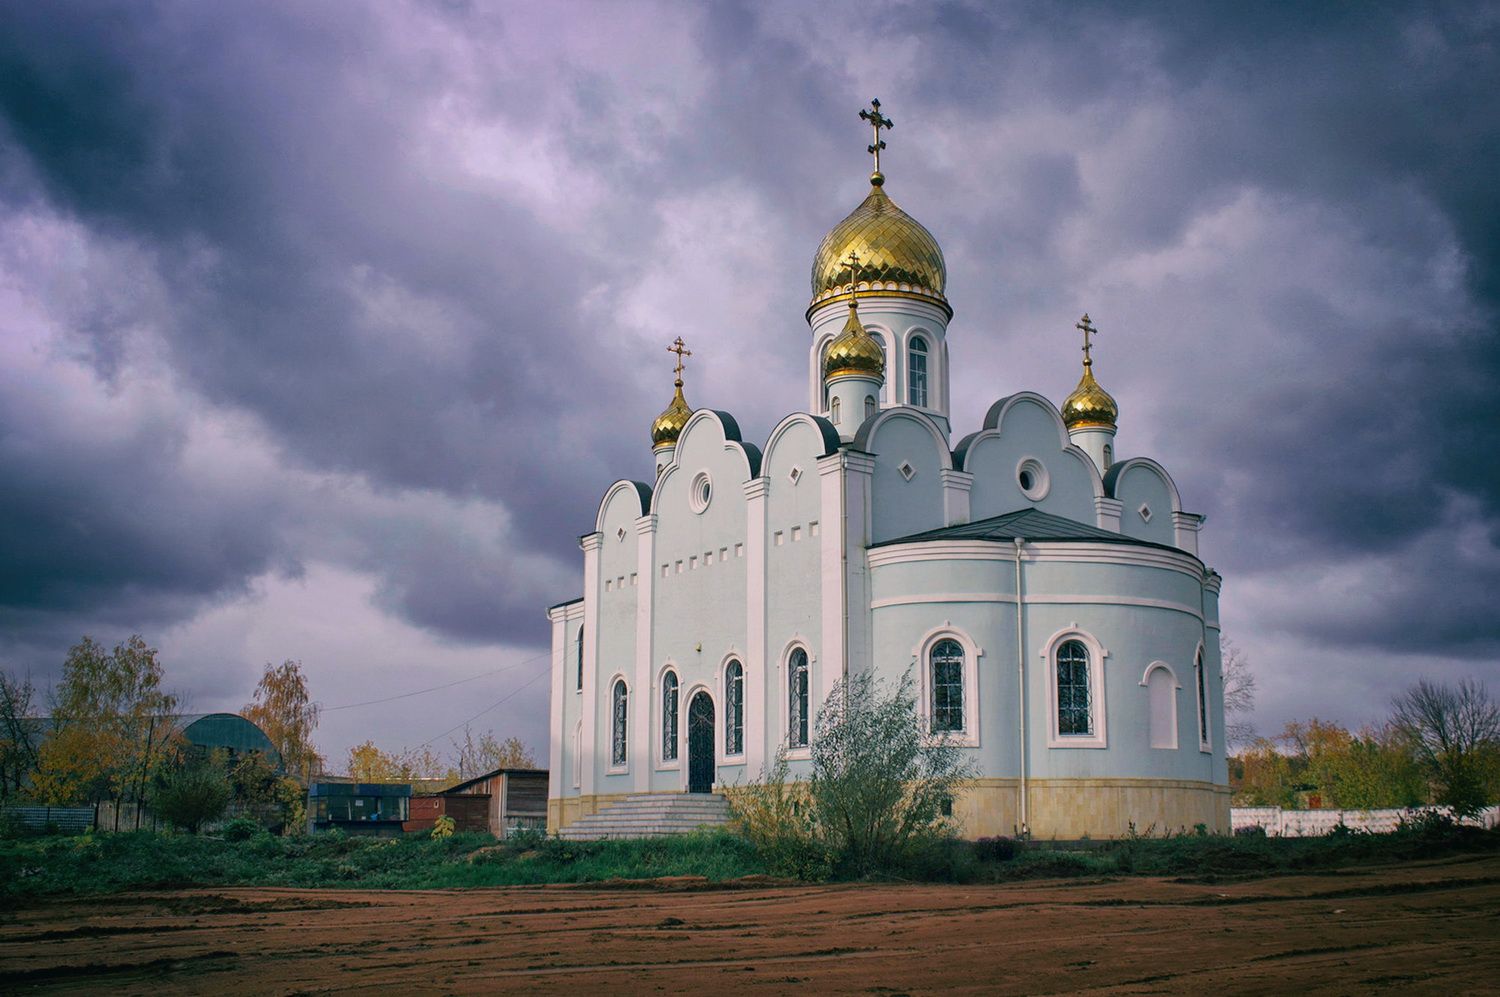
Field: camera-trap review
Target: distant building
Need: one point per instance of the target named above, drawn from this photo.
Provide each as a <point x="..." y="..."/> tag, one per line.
<point x="377" y="809"/>
<point x="499" y="802"/>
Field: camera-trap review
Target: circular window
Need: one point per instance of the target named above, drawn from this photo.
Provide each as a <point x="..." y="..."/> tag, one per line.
<point x="700" y="492"/>
<point x="1032" y="477"/>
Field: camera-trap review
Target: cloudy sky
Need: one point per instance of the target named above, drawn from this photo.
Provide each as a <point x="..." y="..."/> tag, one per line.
<point x="324" y="325"/>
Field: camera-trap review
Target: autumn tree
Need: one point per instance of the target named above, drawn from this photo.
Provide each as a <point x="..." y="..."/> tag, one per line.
<point x="20" y="734"/>
<point x="368" y="763"/>
<point x="112" y="725"/>
<point x="1454" y="732"/>
<point x="476" y="756"/>
<point x="285" y="711"/>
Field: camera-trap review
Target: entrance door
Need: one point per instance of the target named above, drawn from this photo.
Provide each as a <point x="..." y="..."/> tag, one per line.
<point x="700" y="738"/>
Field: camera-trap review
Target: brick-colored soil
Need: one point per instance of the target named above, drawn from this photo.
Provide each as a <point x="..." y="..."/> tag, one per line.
<point x="1428" y="927"/>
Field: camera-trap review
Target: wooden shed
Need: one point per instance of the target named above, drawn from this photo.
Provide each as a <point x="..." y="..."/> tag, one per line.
<point x="498" y="802"/>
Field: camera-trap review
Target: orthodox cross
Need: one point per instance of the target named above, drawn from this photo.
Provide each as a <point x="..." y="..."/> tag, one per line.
<point x="877" y="121"/>
<point x="681" y="350"/>
<point x="1087" y="326"/>
<point x="853" y="273"/>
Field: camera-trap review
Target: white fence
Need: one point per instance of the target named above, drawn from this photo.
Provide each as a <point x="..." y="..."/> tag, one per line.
<point x="1310" y="823"/>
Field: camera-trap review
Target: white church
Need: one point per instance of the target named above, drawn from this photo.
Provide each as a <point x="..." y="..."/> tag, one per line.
<point x="1044" y="592"/>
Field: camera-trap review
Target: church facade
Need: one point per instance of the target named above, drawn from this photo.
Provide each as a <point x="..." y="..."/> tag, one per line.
<point x="1045" y="595"/>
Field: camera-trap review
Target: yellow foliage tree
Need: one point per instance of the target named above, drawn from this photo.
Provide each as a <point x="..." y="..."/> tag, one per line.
<point x="285" y="711"/>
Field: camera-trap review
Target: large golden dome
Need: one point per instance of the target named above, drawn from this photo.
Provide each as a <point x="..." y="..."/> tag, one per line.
<point x="897" y="256"/>
<point x="1089" y="406"/>
<point x="668" y="425"/>
<point x="854" y="351"/>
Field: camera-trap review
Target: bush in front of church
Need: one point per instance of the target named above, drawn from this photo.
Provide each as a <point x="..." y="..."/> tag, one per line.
<point x="876" y="801"/>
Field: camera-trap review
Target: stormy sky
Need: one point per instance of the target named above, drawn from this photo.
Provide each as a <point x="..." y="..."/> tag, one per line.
<point x="324" y="326"/>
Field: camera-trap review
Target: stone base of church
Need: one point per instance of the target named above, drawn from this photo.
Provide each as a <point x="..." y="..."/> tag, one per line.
<point x="1072" y="809"/>
<point x="562" y="812"/>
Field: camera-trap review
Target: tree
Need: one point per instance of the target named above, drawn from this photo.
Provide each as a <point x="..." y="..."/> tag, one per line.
<point x="1239" y="693"/>
<point x="20" y="734"/>
<point x="367" y="763"/>
<point x="1261" y="776"/>
<point x="881" y="784"/>
<point x="1455" y="734"/>
<point x="487" y="753"/>
<point x="194" y="793"/>
<point x="111" y="725"/>
<point x="284" y="710"/>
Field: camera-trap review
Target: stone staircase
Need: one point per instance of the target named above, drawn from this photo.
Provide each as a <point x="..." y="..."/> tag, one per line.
<point x="650" y="815"/>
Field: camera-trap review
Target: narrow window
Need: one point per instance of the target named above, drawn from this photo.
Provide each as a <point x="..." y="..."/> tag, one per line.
<point x="669" y="717"/>
<point x="869" y="405"/>
<point x="1109" y="456"/>
<point x="734" y="709"/>
<point x="1202" y="703"/>
<point x="916" y="378"/>
<point x="1074" y="713"/>
<point x="833" y="411"/>
<point x="617" y="738"/>
<point x="580" y="656"/>
<point x="797" y="699"/>
<point x="947" y="660"/>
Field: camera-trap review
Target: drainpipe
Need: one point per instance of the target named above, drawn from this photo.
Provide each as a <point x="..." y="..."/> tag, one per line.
<point x="1021" y="687"/>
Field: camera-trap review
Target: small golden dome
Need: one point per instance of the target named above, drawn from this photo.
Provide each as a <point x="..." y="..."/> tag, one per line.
<point x="668" y="425"/>
<point x="1089" y="406"/>
<point x="897" y="255"/>
<point x="854" y="351"/>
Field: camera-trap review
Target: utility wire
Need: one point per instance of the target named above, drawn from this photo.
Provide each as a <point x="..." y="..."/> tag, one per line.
<point x="436" y="688"/>
<point x="503" y="699"/>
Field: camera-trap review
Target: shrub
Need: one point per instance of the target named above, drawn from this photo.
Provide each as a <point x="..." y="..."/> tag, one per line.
<point x="240" y="829"/>
<point x="995" y="849"/>
<point x="443" y="827"/>
<point x="193" y="795"/>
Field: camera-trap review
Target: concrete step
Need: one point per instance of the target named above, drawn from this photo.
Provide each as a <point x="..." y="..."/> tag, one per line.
<point x="648" y="815"/>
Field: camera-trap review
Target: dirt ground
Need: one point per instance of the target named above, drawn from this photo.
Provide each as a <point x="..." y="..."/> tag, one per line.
<point x="1427" y="927"/>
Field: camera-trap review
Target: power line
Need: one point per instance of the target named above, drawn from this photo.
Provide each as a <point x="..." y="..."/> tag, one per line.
<point x="436" y="688"/>
<point x="503" y="699"/>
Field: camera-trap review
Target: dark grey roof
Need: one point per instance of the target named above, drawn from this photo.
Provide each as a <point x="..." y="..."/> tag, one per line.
<point x="1029" y="524"/>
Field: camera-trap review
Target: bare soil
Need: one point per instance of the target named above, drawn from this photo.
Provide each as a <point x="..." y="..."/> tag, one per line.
<point x="1423" y="927"/>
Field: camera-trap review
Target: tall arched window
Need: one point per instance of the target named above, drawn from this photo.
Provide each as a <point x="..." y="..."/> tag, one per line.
<point x="916" y="372"/>
<point x="1075" y="713"/>
<point x="617" y="725"/>
<point x="734" y="709"/>
<point x="833" y="411"/>
<point x="947" y="664"/>
<point x="580" y="656"/>
<point x="1203" y="741"/>
<point x="669" y="717"/>
<point x="869" y="405"/>
<point x="797" y="699"/>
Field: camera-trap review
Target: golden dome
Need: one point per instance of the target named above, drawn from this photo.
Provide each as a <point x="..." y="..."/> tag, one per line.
<point x="896" y="254"/>
<point x="854" y="351"/>
<point x="1089" y="406"/>
<point x="668" y="425"/>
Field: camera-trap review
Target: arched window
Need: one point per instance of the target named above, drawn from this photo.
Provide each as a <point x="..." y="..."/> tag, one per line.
<point x="869" y="405"/>
<point x="1203" y="741"/>
<point x="669" y="717"/>
<point x="1109" y="456"/>
<point x="734" y="709"/>
<point x="833" y="411"/>
<point x="580" y="656"/>
<point x="1075" y="713"/>
<point x="916" y="372"/>
<point x="1161" y="691"/>
<point x="947" y="663"/>
<point x="797" y="699"/>
<point x="618" y="715"/>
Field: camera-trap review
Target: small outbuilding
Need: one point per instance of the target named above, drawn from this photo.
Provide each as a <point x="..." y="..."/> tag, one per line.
<point x="499" y="802"/>
<point x="378" y="809"/>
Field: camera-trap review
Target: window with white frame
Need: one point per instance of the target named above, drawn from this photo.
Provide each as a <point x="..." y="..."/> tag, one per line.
<point x="916" y="372"/>
<point x="669" y="717"/>
<point x="946" y="665"/>
<point x="833" y="411"/>
<point x="1075" y="713"/>
<point x="1075" y="690"/>
<point x="619" y="699"/>
<point x="1204" y="743"/>
<point x="869" y="406"/>
<point x="797" y="702"/>
<point x="734" y="709"/>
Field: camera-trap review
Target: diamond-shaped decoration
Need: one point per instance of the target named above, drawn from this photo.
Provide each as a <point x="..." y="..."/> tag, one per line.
<point x="794" y="474"/>
<point x="1145" y="512"/>
<point x="907" y="471"/>
<point x="620" y="533"/>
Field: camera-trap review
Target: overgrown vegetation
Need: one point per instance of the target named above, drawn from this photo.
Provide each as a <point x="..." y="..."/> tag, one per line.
<point x="879" y="798"/>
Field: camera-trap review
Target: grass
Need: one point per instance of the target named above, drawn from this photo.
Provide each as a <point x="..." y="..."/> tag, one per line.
<point x="38" y="867"/>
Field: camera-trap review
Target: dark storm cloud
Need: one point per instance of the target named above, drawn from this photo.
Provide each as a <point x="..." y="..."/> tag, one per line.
<point x="420" y="260"/>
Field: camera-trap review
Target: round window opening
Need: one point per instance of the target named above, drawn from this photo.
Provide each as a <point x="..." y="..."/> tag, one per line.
<point x="1032" y="477"/>
<point x="700" y="492"/>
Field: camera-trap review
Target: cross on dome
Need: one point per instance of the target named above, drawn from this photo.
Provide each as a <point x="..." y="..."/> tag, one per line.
<point x="877" y="121"/>
<point x="1087" y="325"/>
<point x="679" y="348"/>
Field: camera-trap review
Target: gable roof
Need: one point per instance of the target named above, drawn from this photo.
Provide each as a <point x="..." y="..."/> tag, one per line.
<point x="1029" y="524"/>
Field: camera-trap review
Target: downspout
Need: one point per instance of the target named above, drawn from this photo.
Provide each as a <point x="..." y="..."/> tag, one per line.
<point x="1021" y="689"/>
